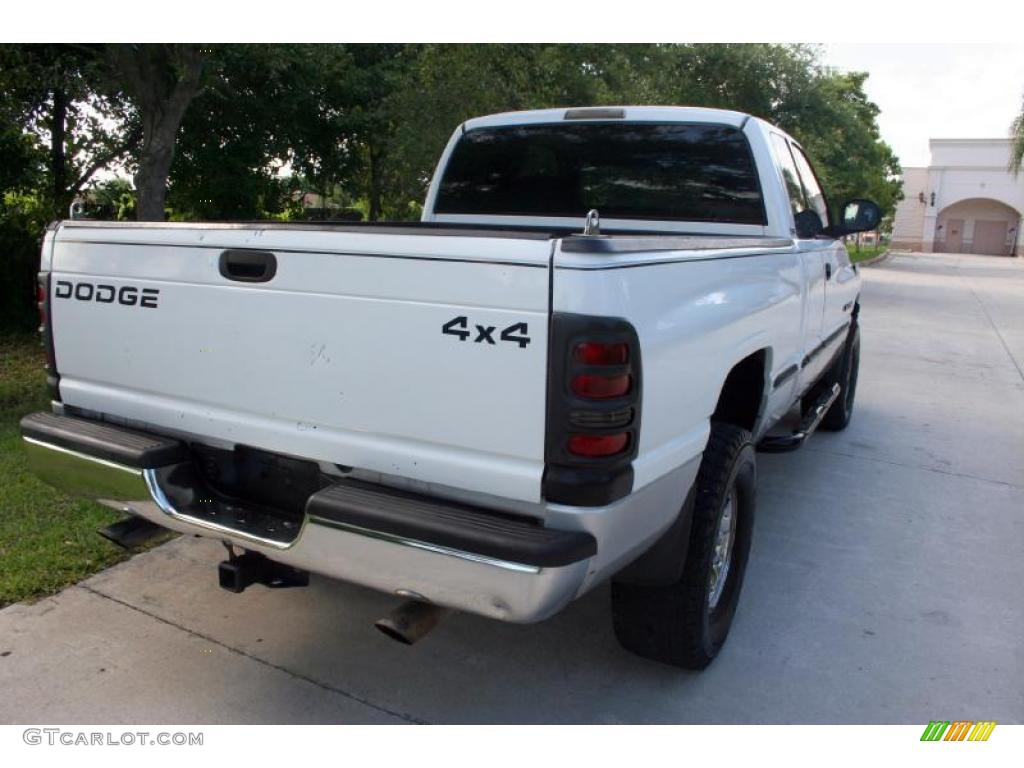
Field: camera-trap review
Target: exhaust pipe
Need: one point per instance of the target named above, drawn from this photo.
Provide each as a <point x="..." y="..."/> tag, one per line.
<point x="411" y="621"/>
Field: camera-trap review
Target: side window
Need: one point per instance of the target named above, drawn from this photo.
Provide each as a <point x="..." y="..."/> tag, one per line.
<point x="790" y="175"/>
<point x="811" y="186"/>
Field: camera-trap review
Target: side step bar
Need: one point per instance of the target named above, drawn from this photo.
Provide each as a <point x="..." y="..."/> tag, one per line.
<point x="132" y="532"/>
<point x="414" y="520"/>
<point x="809" y="423"/>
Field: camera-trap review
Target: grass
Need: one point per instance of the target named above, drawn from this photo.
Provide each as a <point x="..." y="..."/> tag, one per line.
<point x="47" y="539"/>
<point x="866" y="252"/>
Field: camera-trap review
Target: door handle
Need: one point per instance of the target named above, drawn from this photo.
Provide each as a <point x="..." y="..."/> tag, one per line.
<point x="248" y="266"/>
<point x="828" y="271"/>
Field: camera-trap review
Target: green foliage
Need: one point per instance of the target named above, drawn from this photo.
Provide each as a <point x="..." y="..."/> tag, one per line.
<point x="785" y="84"/>
<point x="866" y="252"/>
<point x="59" y="125"/>
<point x="232" y="137"/>
<point x="1017" y="148"/>
<point x="21" y="161"/>
<point x="21" y="171"/>
<point x="362" y="126"/>
<point x="23" y="220"/>
<point x="448" y="84"/>
<point x="841" y="134"/>
<point x="111" y="200"/>
<point x="52" y="92"/>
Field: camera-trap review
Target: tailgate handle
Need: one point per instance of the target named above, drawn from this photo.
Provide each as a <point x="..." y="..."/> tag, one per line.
<point x="248" y="266"/>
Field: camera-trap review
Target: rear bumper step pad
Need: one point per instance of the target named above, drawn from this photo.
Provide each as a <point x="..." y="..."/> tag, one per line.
<point x="128" y="447"/>
<point x="347" y="505"/>
<point x="420" y="519"/>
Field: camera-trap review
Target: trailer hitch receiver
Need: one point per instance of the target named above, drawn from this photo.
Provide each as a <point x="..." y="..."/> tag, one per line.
<point x="243" y="570"/>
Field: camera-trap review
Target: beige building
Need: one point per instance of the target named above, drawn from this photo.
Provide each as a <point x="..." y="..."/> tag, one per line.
<point x="965" y="201"/>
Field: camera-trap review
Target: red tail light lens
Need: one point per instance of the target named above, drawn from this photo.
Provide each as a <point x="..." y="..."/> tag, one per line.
<point x="597" y="387"/>
<point x="41" y="306"/>
<point x="598" y="445"/>
<point x="594" y="353"/>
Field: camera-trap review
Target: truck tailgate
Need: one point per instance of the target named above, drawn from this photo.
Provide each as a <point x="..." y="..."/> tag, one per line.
<point x="417" y="355"/>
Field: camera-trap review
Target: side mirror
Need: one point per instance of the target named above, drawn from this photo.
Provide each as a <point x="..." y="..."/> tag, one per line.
<point x="808" y="224"/>
<point x="859" y="216"/>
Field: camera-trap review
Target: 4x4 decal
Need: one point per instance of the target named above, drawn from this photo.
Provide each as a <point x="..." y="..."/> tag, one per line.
<point x="484" y="334"/>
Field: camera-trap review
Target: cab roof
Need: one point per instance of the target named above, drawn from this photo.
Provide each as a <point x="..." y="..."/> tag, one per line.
<point x="606" y="114"/>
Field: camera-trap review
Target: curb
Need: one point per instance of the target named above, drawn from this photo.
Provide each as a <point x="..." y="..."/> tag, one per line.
<point x="875" y="259"/>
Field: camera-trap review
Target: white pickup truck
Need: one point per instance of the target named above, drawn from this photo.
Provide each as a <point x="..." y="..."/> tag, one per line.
<point x="559" y="377"/>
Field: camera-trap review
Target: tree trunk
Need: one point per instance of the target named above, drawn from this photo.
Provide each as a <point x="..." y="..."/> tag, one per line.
<point x="375" y="185"/>
<point x="154" y="168"/>
<point x="162" y="80"/>
<point x="58" y="157"/>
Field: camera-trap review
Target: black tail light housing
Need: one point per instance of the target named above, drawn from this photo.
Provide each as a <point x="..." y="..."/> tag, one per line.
<point x="593" y="415"/>
<point x="46" y="331"/>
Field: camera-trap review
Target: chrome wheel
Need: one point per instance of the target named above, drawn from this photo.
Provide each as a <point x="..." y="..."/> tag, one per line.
<point x="722" y="556"/>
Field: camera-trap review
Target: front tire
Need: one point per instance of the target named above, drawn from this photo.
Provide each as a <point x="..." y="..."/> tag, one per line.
<point x="685" y="623"/>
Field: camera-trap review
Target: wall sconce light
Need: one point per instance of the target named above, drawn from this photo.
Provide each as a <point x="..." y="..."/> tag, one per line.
<point x="933" y="199"/>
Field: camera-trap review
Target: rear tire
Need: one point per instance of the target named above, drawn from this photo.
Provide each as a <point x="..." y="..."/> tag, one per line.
<point x="685" y="623"/>
<point x="844" y="373"/>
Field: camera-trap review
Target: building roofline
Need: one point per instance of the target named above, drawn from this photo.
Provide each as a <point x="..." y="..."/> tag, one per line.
<point x="999" y="139"/>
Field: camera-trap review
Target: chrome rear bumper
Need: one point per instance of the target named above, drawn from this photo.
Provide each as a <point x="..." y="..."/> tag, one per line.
<point x="389" y="558"/>
<point x="79" y="474"/>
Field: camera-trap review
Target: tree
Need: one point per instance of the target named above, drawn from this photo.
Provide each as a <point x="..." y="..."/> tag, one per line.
<point x="1017" y="148"/>
<point x="112" y="200"/>
<point x="828" y="112"/>
<point x="22" y="217"/>
<point x="366" y="123"/>
<point x="840" y="131"/>
<point x="436" y="87"/>
<point x="238" y="132"/>
<point x="52" y="95"/>
<point x="161" y="80"/>
<point x="320" y="122"/>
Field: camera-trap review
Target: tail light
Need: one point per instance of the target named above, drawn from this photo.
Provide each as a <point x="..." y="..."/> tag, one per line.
<point x="594" y="389"/>
<point x="598" y="445"/>
<point x="46" y="331"/>
<point x="595" y="353"/>
<point x="600" y="387"/>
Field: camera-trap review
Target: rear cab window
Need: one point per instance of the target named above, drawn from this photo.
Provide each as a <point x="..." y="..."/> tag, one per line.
<point x="669" y="172"/>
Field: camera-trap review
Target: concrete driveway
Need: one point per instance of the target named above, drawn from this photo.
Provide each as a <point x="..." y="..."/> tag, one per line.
<point x="884" y="585"/>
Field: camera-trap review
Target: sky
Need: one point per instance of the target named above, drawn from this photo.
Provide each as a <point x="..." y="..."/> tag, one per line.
<point x="936" y="91"/>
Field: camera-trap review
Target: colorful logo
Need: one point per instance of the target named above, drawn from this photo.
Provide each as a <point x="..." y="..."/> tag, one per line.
<point x="958" y="730"/>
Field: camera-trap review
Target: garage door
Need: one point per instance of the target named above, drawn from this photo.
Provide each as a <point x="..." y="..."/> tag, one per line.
<point x="990" y="237"/>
